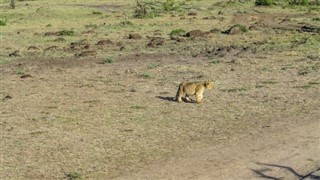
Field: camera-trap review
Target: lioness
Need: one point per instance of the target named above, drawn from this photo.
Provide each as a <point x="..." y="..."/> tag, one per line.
<point x="193" y="88"/>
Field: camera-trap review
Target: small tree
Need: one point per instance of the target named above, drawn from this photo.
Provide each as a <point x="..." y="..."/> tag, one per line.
<point x="13" y="4"/>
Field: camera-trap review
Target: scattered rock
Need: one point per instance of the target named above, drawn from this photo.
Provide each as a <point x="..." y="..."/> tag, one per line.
<point x="134" y="36"/>
<point x="51" y="48"/>
<point x="156" y="41"/>
<point x="195" y="33"/>
<point x="178" y="39"/>
<point x="120" y="44"/>
<point x="236" y="29"/>
<point x="25" y="76"/>
<point x="253" y="28"/>
<point x="88" y="32"/>
<point x="310" y="29"/>
<point x="302" y="72"/>
<point x="122" y="48"/>
<point x="60" y="39"/>
<point x="193" y="13"/>
<point x="86" y="53"/>
<point x="215" y="30"/>
<point x="105" y="42"/>
<point x="48" y="117"/>
<point x="50" y="34"/>
<point x="82" y="44"/>
<point x="33" y="48"/>
<point x="7" y="97"/>
<point x="15" y="54"/>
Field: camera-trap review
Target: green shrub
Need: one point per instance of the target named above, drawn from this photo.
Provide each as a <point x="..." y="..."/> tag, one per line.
<point x="178" y="32"/>
<point x="264" y="2"/>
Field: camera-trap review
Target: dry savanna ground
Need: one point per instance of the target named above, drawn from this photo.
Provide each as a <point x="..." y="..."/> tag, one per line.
<point x="87" y="86"/>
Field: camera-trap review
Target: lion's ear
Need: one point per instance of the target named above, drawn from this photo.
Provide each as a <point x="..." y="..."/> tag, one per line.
<point x="206" y="84"/>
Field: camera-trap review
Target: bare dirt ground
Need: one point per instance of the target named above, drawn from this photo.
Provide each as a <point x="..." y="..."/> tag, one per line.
<point x="109" y="120"/>
<point x="98" y="104"/>
<point x="277" y="153"/>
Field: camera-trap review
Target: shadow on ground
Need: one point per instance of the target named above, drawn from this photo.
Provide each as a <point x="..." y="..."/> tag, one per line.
<point x="265" y="172"/>
<point x="173" y="99"/>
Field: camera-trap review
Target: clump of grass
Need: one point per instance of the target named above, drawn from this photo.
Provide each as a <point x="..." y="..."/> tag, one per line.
<point x="126" y="23"/>
<point x="310" y="84"/>
<point x="298" y="2"/>
<point x="178" y="32"/>
<point x="97" y="13"/>
<point x="145" y="75"/>
<point x="241" y="27"/>
<point x="264" y="2"/>
<point x="316" y="19"/>
<point x="107" y="60"/>
<point x="66" y="33"/>
<point x="74" y="175"/>
<point x="3" y="22"/>
<point x="145" y="10"/>
<point x="138" y="107"/>
<point x="93" y="26"/>
<point x="214" y="61"/>
<point x="269" y="82"/>
<point x="171" y="5"/>
<point x="154" y="65"/>
<point x="238" y="89"/>
<point x="20" y="71"/>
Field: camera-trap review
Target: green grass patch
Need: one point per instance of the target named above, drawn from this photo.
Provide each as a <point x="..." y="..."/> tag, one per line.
<point x="214" y="61"/>
<point x="107" y="60"/>
<point x="66" y="33"/>
<point x="146" y="75"/>
<point x="3" y="22"/>
<point x="178" y="32"/>
<point x="74" y="175"/>
<point x="97" y="13"/>
<point x="154" y="65"/>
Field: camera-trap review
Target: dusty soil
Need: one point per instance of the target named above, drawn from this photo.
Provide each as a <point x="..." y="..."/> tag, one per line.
<point x="276" y="153"/>
<point x="75" y="111"/>
<point x="118" y="120"/>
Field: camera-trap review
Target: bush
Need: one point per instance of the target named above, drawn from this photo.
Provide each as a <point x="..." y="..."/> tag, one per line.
<point x="264" y="2"/>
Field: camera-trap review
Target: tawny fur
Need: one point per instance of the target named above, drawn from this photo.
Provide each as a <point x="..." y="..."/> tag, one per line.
<point x="188" y="89"/>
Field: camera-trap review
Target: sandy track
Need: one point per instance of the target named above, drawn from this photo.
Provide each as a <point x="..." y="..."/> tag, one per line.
<point x="290" y="153"/>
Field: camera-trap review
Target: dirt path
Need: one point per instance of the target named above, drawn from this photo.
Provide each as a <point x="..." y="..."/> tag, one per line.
<point x="290" y="153"/>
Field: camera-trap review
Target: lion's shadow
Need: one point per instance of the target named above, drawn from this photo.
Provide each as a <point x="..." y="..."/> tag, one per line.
<point x="172" y="99"/>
